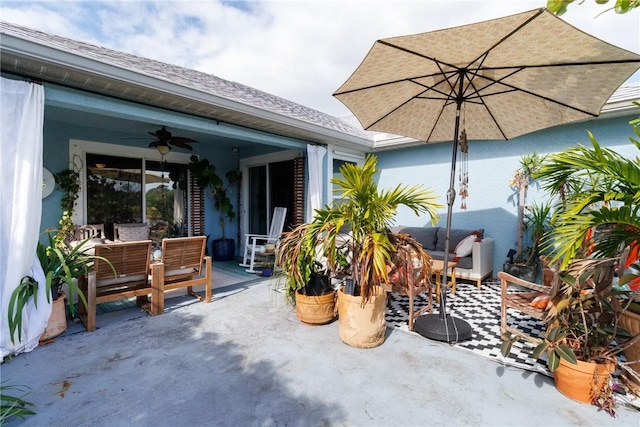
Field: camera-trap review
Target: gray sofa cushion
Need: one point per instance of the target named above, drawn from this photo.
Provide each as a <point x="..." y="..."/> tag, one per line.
<point x="425" y="235"/>
<point x="465" y="262"/>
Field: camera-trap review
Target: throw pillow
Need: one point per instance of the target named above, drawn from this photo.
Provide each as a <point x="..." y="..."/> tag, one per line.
<point x="540" y="302"/>
<point x="465" y="246"/>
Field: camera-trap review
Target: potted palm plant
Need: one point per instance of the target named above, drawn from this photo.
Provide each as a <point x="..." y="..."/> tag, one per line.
<point x="355" y="232"/>
<point x="307" y="283"/>
<point x="223" y="249"/>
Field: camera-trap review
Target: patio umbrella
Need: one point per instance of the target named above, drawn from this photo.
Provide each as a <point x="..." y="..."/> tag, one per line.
<point x="501" y="78"/>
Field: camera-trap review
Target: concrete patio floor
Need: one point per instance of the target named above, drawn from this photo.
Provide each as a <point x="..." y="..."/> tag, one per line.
<point x="245" y="360"/>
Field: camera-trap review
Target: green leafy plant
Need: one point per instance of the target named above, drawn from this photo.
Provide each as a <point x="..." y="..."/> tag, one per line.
<point x="559" y="7"/>
<point x="27" y="288"/>
<point x="61" y="267"/>
<point x="354" y="229"/>
<point x="69" y="182"/>
<point x="538" y="224"/>
<point x="599" y="194"/>
<point x="13" y="406"/>
<point x="584" y="317"/>
<point x="607" y="200"/>
<point x="206" y="176"/>
<point x="584" y="322"/>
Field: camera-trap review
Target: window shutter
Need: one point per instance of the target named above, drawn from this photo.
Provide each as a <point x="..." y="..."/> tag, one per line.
<point x="299" y="192"/>
<point x="196" y="211"/>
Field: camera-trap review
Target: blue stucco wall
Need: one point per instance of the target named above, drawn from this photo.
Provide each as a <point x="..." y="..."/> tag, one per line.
<point x="72" y="114"/>
<point x="491" y="204"/>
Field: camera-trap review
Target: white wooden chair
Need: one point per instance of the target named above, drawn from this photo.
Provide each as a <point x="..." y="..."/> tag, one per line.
<point x="254" y="243"/>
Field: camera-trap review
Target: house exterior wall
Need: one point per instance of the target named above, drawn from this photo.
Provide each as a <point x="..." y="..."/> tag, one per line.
<point x="491" y="204"/>
<point x="75" y="115"/>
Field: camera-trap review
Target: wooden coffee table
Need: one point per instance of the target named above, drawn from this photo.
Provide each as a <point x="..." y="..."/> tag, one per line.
<point x="436" y="268"/>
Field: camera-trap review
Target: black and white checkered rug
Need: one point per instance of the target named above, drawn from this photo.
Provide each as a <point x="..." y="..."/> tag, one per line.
<point x="481" y="309"/>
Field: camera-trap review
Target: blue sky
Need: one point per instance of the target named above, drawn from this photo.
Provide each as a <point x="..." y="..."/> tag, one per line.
<point x="301" y="50"/>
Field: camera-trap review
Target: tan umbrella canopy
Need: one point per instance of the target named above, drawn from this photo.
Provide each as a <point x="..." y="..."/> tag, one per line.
<point x="514" y="75"/>
<point x="504" y="77"/>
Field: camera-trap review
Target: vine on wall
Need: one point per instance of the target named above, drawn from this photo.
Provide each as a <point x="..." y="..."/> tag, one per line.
<point x="69" y="182"/>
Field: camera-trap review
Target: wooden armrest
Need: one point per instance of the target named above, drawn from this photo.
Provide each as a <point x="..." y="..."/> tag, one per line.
<point x="507" y="279"/>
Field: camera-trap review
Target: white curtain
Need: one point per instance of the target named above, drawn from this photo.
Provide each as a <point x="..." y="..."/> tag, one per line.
<point x="21" y="124"/>
<point x="315" y="155"/>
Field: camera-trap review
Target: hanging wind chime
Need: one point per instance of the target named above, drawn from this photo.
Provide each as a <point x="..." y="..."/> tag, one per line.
<point x="464" y="166"/>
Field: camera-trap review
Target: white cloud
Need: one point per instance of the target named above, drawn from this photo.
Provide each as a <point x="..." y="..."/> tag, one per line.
<point x="300" y="50"/>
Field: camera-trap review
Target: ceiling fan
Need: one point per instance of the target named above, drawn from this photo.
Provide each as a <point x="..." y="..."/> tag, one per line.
<point x="166" y="140"/>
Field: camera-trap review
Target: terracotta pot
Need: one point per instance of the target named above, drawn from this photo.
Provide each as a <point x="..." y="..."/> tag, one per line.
<point x="575" y="381"/>
<point x="362" y="327"/>
<point x="631" y="322"/>
<point x="57" y="323"/>
<point x="316" y="310"/>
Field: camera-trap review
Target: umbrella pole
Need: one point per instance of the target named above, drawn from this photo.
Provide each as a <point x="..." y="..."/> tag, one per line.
<point x="441" y="326"/>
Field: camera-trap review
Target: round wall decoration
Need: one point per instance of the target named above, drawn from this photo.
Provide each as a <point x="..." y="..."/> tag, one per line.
<point x="48" y="182"/>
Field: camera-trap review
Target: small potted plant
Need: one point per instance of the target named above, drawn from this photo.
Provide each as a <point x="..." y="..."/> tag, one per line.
<point x="206" y="176"/>
<point x="584" y="336"/>
<point x="61" y="268"/>
<point x="307" y="281"/>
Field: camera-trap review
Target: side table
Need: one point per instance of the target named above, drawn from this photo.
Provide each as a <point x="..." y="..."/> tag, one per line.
<point x="436" y="269"/>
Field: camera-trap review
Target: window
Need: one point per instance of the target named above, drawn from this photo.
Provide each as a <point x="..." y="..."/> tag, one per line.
<point x="135" y="186"/>
<point x="337" y="160"/>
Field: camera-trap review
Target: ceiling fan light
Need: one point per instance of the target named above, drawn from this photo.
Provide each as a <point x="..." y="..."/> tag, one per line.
<point x="163" y="149"/>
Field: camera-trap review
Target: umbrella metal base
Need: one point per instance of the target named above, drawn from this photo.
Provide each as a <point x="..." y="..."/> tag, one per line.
<point x="448" y="329"/>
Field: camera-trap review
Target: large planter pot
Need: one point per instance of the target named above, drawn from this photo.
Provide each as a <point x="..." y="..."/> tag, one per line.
<point x="576" y="381"/>
<point x="631" y="322"/>
<point x="525" y="272"/>
<point x="57" y="323"/>
<point x="223" y="249"/>
<point x="315" y="310"/>
<point x="362" y="327"/>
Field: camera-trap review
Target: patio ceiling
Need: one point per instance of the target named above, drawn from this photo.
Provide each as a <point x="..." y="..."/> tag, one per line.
<point x="73" y="64"/>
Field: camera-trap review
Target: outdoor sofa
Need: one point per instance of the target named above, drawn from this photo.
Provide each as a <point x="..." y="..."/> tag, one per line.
<point x="475" y="255"/>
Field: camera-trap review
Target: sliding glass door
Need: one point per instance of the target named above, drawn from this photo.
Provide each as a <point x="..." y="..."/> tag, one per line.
<point x="269" y="186"/>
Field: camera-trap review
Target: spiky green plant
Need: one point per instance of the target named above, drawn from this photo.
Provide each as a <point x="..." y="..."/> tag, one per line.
<point x="607" y="199"/>
<point x="366" y="214"/>
<point x="61" y="267"/>
<point x="13" y="406"/>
